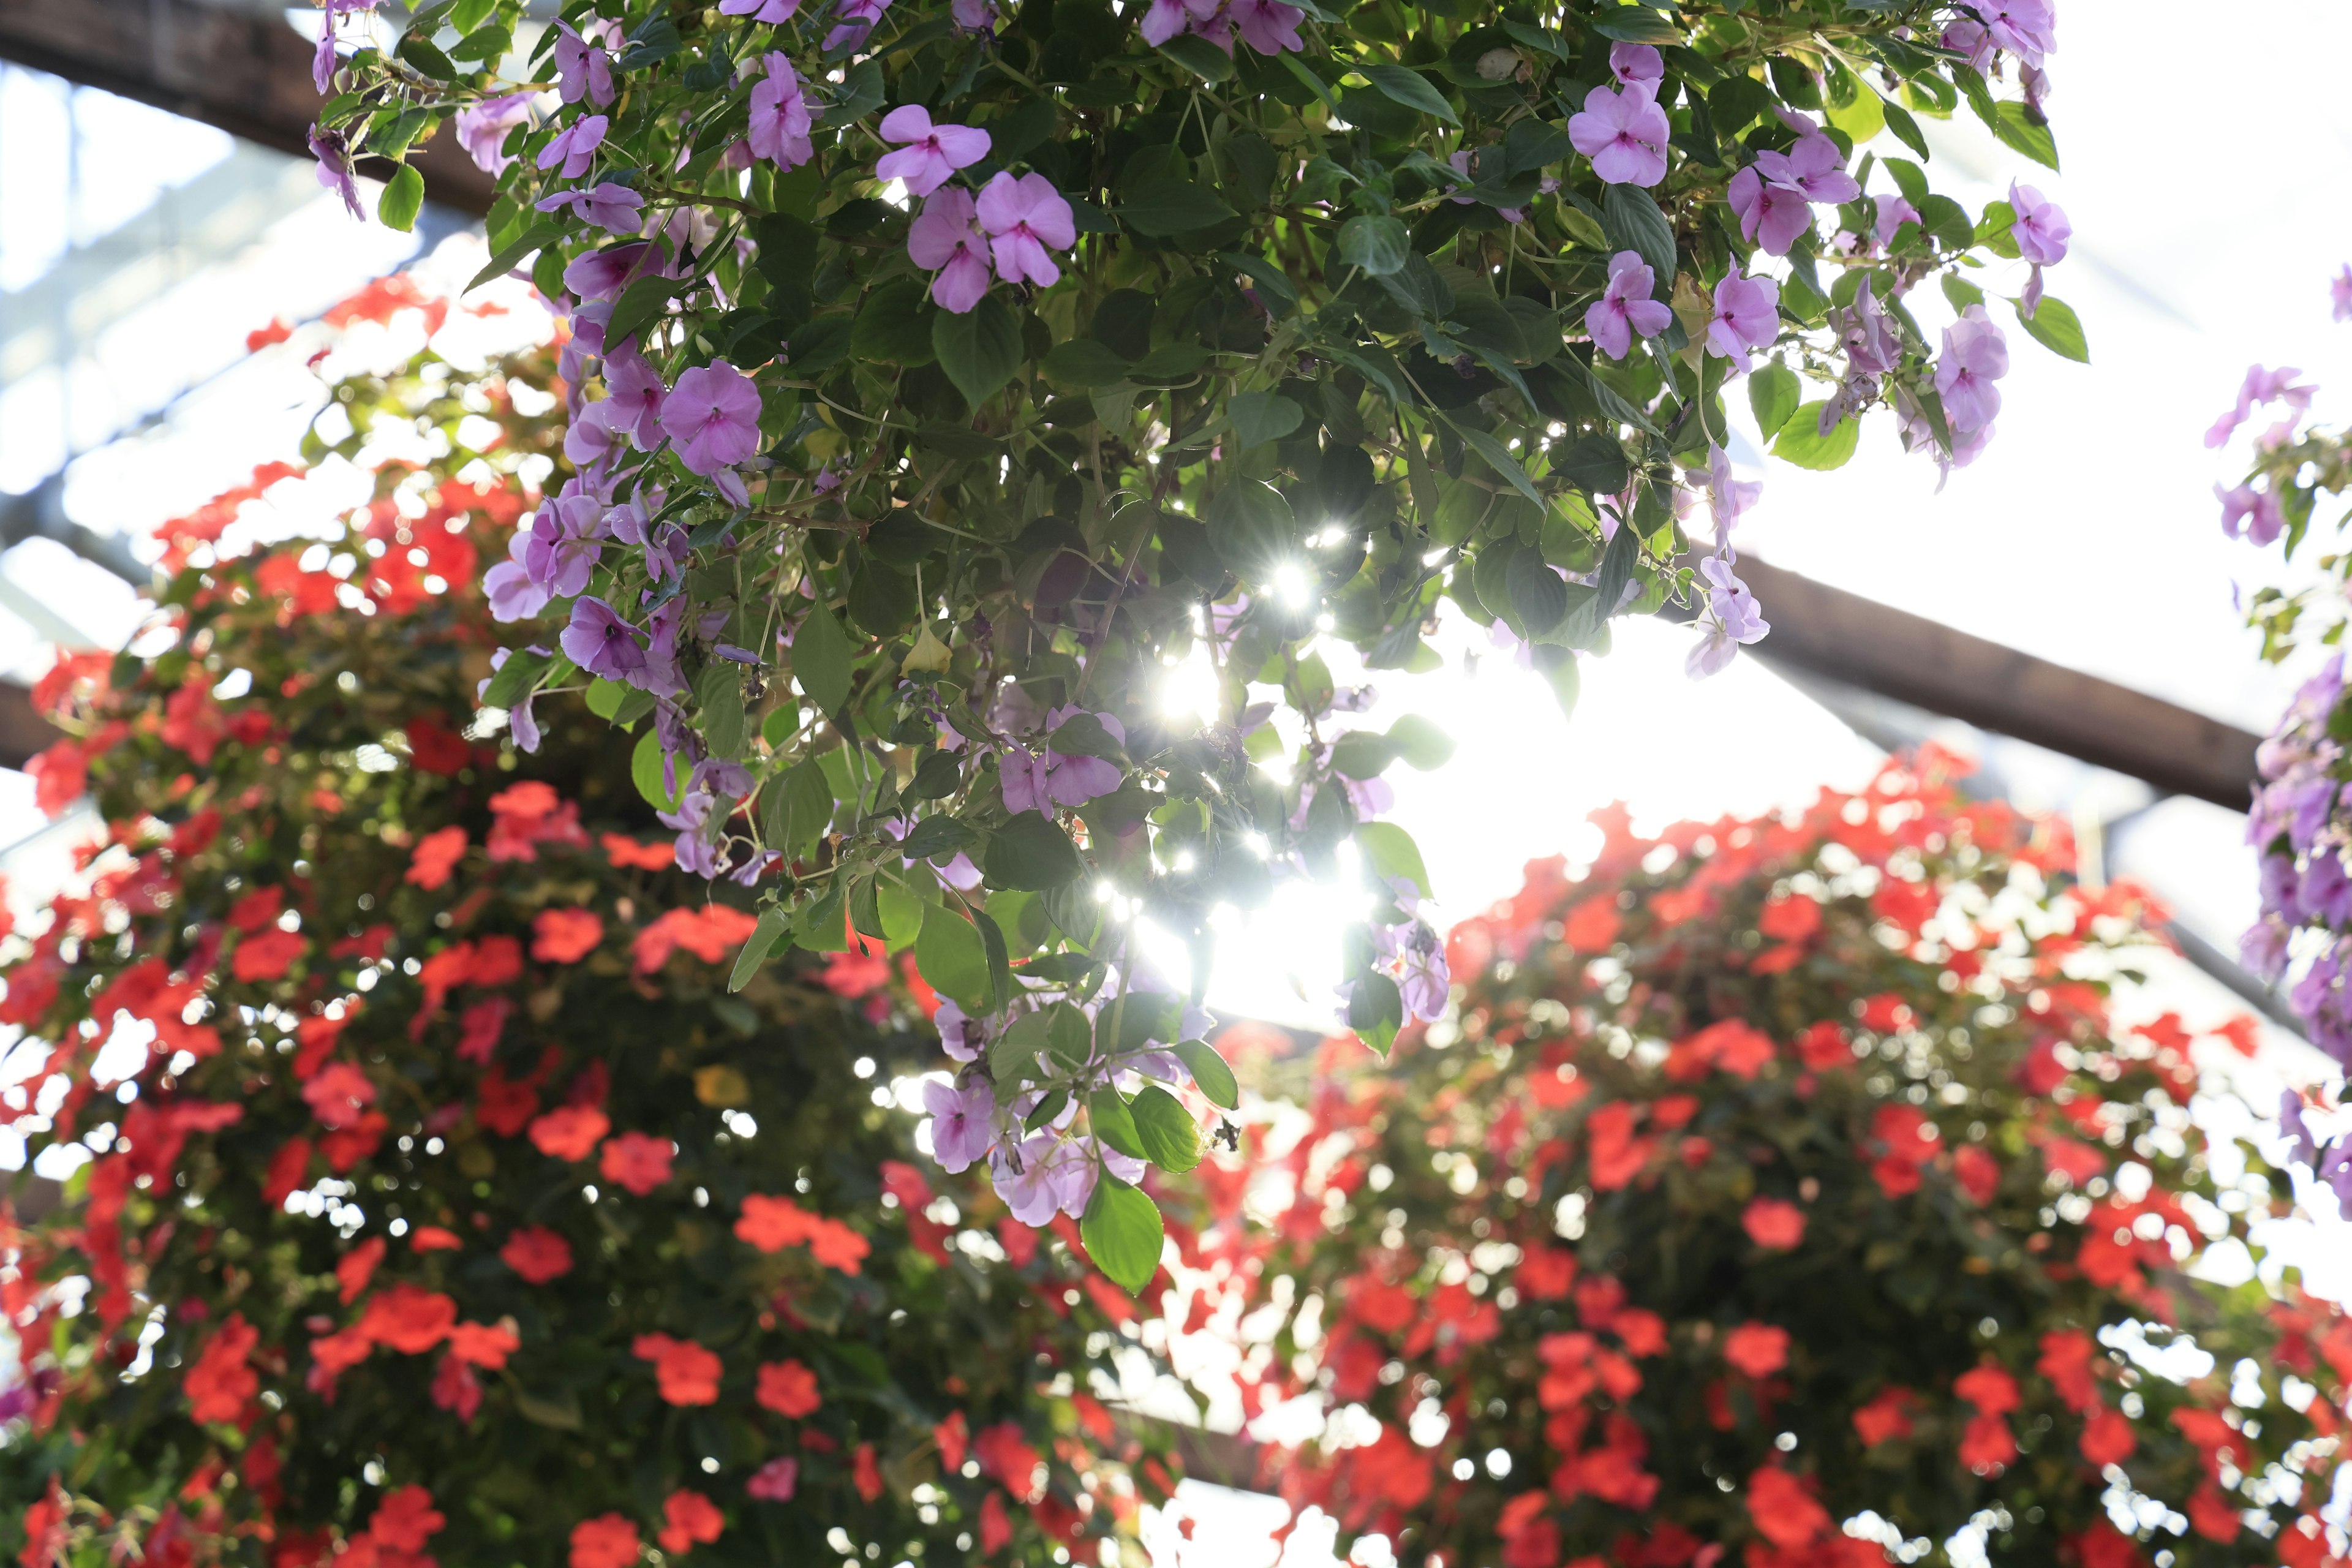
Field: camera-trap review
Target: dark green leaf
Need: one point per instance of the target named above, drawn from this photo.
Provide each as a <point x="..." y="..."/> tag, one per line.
<point x="1000" y="964"/>
<point x="1273" y="285"/>
<point x="1633" y="221"/>
<point x="1899" y="121"/>
<point x="773" y="924"/>
<point x="1377" y="245"/>
<point x="1085" y="363"/>
<point x="1595" y="463"/>
<point x="1030" y="853"/>
<point x="404" y="194"/>
<point x="1376" y="1010"/>
<point x="516" y="678"/>
<point x="1262" y="416"/>
<point x="639" y="305"/>
<point x="1200" y="56"/>
<point x="1114" y="1123"/>
<point x="861" y="94"/>
<point x="937" y="836"/>
<point x="1083" y="735"/>
<point x="1252" y="529"/>
<point x="822" y="658"/>
<point x="1411" y="88"/>
<point x="980" y="350"/>
<point x="1538" y="594"/>
<point x="953" y="961"/>
<point x="510" y="255"/>
<point x="1171" y="1138"/>
<point x="1498" y="457"/>
<point x="1210" y="1075"/>
<point x="1636" y="24"/>
<point x="798" y="807"/>
<point x="1122" y="1229"/>
<point x="1162" y="208"/>
<point x="2028" y="132"/>
<point x="1391" y="852"/>
<point x="720" y="689"/>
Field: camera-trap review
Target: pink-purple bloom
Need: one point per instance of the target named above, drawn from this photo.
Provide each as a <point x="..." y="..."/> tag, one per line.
<point x="932" y="154"/>
<point x="615" y="208"/>
<point x="2260" y="388"/>
<point x="335" y="167"/>
<point x="1746" y="317"/>
<point x="1732" y="619"/>
<point x="1166" y="19"/>
<point x="854" y="20"/>
<point x="599" y="641"/>
<point x="1269" y="27"/>
<point x="1026" y="218"/>
<point x="581" y="69"/>
<point x="1770" y="215"/>
<point x="1894" y="212"/>
<point x="1975" y="356"/>
<point x="1813" y="167"/>
<point x="601" y="274"/>
<point x="1630" y="63"/>
<point x="1043" y="779"/>
<point x="768" y="11"/>
<point x="713" y="416"/>
<point x="945" y="240"/>
<point x="1623" y="134"/>
<point x="1625" y="310"/>
<point x="2254" y="512"/>
<point x="513" y="595"/>
<point x="633" y="391"/>
<point x="781" y="121"/>
<point x="1728" y="497"/>
<point x="2340" y="288"/>
<point x="575" y="145"/>
<point x="2041" y="230"/>
<point x="482" y="129"/>
<point x="962" y="1121"/>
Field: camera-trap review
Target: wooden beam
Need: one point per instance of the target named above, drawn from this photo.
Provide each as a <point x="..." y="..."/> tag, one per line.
<point x="237" y="66"/>
<point x="1845" y="638"/>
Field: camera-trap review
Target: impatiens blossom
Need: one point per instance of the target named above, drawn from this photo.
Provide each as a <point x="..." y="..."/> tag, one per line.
<point x="615" y="209"/>
<point x="2261" y="387"/>
<point x="1733" y="619"/>
<point x="1814" y="168"/>
<point x="1747" y="316"/>
<point x="961" y="1121"/>
<point x="600" y="642"/>
<point x="574" y="147"/>
<point x="930" y="154"/>
<point x="945" y="239"/>
<point x="1166" y="19"/>
<point x="512" y="593"/>
<point x="482" y="130"/>
<point x="1624" y="134"/>
<point x="1043" y="779"/>
<point x="335" y="167"/>
<point x="1770" y="215"/>
<point x="1269" y="27"/>
<point x="1625" y="310"/>
<point x="1026" y="218"/>
<point x="581" y="69"/>
<point x="780" y="115"/>
<point x="2251" y="512"/>
<point x="1630" y="63"/>
<point x="1728" y="498"/>
<point x="713" y="416"/>
<point x="1975" y="356"/>
<point x="2340" y="289"/>
<point x="2041" y="230"/>
<point x="634" y="391"/>
<point x="1894" y="212"/>
<point x="853" y="21"/>
<point x="768" y="11"/>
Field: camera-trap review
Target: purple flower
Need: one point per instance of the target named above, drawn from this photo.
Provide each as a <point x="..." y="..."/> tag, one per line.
<point x="1269" y="27"/>
<point x="1814" y="168"/>
<point x="855" y="19"/>
<point x="1166" y="19"/>
<point x="1747" y="316"/>
<point x="1626" y="311"/>
<point x="482" y="129"/>
<point x="1624" y="134"/>
<point x="603" y="274"/>
<point x="1733" y="618"/>
<point x="974" y="16"/>
<point x="633" y="391"/>
<point x="1894" y="212"/>
<point x="512" y="593"/>
<point x="1024" y="219"/>
<point x="2291" y="1122"/>
<point x="963" y="1122"/>
<point x="591" y="438"/>
<point x="2341" y="289"/>
<point x="1630" y="63"/>
<point x="581" y="69"/>
<point x="2256" y="513"/>
<point x="1770" y="215"/>
<point x="944" y="238"/>
<point x="768" y="11"/>
<point x="962" y="1036"/>
<point x="523" y="725"/>
<point x="713" y="415"/>
<point x="2260" y="388"/>
<point x="2041" y="229"/>
<point x="1868" y="335"/>
<point x="2026" y="29"/>
<point x="931" y="152"/>
<point x="1975" y="356"/>
<point x="615" y="209"/>
<point x="1969" y="40"/>
<point x="335" y="167"/>
<point x="575" y="145"/>
<point x="1039" y="781"/>
<point x="1728" y="498"/>
<point x="780" y="115"/>
<point x="600" y="642"/>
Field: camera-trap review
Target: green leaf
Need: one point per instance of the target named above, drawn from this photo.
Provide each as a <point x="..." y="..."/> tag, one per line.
<point x="1031" y="854"/>
<point x="1200" y="56"/>
<point x="418" y="51"/>
<point x="1595" y="463"/>
<point x="822" y="658"/>
<point x="2057" y="327"/>
<point x="510" y="255"/>
<point x="1498" y="457"/>
<point x="1773" y="393"/>
<point x="1273" y="285"/>
<point x="1420" y="742"/>
<point x="1801" y="441"/>
<point x="953" y="961"/>
<point x="646" y="772"/>
<point x="1122" y="1229"/>
<point x="2027" y="132"/>
<point x="861" y="94"/>
<point x="1362" y="753"/>
<point x="798" y="808"/>
<point x="1411" y="88"/>
<point x="1171" y="1138"/>
<point x="404" y="194"/>
<point x="1390" y="851"/>
<point x="516" y="678"/>
<point x="639" y="304"/>
<point x="1538" y="594"/>
<point x="1633" y="221"/>
<point x="1899" y="121"/>
<point x="1114" y="1123"/>
<point x="1085" y="363"/>
<point x="1083" y="735"/>
<point x="1376" y="1010"/>
<point x="1163" y="207"/>
<point x="937" y="836"/>
<point x="1252" y="529"/>
<point x="720" y="690"/>
<point x="823" y="927"/>
<point x="773" y="924"/>
<point x="1013" y="1054"/>
<point x="1636" y="24"/>
<point x="1210" y="1075"/>
<point x="999" y="961"/>
<point x="1377" y="245"/>
<point x="980" y="350"/>
<point x="1262" y="416"/>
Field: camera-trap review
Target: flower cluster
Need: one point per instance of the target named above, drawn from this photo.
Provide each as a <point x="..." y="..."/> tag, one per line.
<point x="1791" y="1191"/>
<point x="441" y="1202"/>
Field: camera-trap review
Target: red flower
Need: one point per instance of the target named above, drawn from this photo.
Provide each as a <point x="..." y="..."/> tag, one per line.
<point x="995" y="1530"/>
<point x="866" y="1474"/>
<point x="1824" y="1047"/>
<point x="455" y="1388"/>
<point x="789" y="1389"/>
<point x="565" y="936"/>
<point x="636" y="1162"/>
<point x="1774" y="1223"/>
<point x="1616" y="1156"/>
<point x="1986" y="1444"/>
<point x="773" y="1224"/>
<point x="1546" y="1273"/>
<point x="486" y="1345"/>
<point x="406" y="1319"/>
<point x="954" y="1438"/>
<point x="1988" y="1387"/>
<point x="1888" y="1417"/>
<point x="570" y="1131"/>
<point x="2108" y="1438"/>
<point x="221" y="1386"/>
<point x="630" y="855"/>
<point x="1977" y="1173"/>
<point x="1786" y="1513"/>
<point x="404" y="1519"/>
<point x="336" y="1353"/>
<point x="354" y="1269"/>
<point x="1759" y="1349"/>
<point x="835" y="1245"/>
<point x="339" y="1094"/>
<point x="776" y="1481"/>
<point x="538" y="1254"/>
<point x="435" y="857"/>
<point x="608" y="1540"/>
<point x="691" y="1517"/>
<point x="2066" y="1356"/>
<point x="1790" y="917"/>
<point x="1004" y="1454"/>
<point x="2212" y="1515"/>
<point x="435" y="1238"/>
<point x="269" y="955"/>
<point x="687" y="1373"/>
